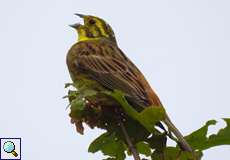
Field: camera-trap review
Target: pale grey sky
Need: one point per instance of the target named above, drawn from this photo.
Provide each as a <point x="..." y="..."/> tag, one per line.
<point x="181" y="46"/>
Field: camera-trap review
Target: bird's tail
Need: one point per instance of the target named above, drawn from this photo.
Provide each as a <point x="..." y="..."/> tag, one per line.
<point x="155" y="101"/>
<point x="182" y="142"/>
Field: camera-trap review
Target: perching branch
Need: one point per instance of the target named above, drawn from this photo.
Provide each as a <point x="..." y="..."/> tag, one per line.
<point x="129" y="142"/>
<point x="96" y="116"/>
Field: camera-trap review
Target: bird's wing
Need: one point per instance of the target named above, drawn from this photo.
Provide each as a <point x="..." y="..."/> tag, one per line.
<point x="107" y="65"/>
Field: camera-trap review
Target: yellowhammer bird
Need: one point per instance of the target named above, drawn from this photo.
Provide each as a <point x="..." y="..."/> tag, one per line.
<point x="97" y="61"/>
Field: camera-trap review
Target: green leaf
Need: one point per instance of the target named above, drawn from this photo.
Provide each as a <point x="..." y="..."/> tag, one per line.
<point x="77" y="105"/>
<point x="120" y="97"/>
<point x="88" y="93"/>
<point x="71" y="95"/>
<point x="98" y="143"/>
<point x="143" y="148"/>
<point x="68" y="85"/>
<point x="223" y="136"/>
<point x="148" y="117"/>
<point x="198" y="137"/>
<point x="113" y="144"/>
<point x="158" y="142"/>
<point x="199" y="140"/>
<point x="109" y="145"/>
<point x="135" y="130"/>
<point x="110" y="158"/>
<point x="172" y="153"/>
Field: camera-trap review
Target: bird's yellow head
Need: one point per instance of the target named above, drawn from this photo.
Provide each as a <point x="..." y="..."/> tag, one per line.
<point x="93" y="28"/>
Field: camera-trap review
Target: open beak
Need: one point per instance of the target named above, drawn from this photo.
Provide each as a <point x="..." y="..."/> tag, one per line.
<point x="80" y="15"/>
<point x="75" y="26"/>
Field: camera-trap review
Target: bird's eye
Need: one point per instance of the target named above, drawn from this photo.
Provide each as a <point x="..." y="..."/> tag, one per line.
<point x="91" y="21"/>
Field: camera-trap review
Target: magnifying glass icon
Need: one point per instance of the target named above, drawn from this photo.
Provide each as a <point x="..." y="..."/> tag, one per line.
<point x="9" y="147"/>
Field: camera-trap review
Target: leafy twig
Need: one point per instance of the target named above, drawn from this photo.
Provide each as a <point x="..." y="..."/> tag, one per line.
<point x="129" y="142"/>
